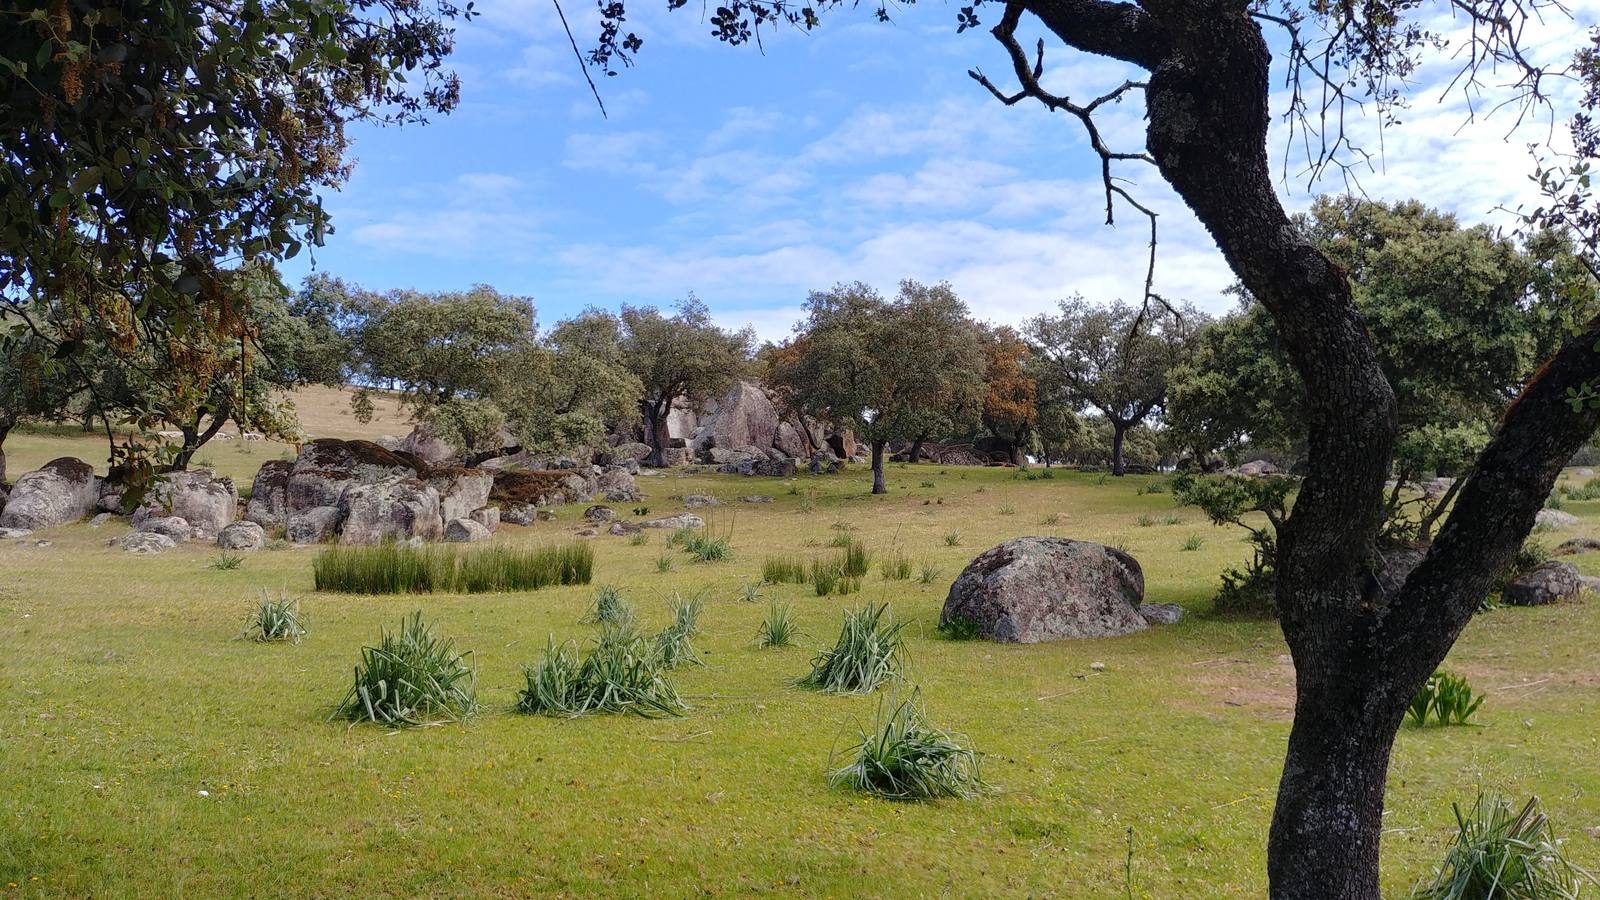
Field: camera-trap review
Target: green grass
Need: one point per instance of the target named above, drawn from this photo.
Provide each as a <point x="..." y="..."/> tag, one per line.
<point x="1180" y="738"/>
<point x="608" y="608"/>
<point x="902" y="757"/>
<point x="226" y="562"/>
<point x="397" y="568"/>
<point x="778" y="629"/>
<point x="277" y="620"/>
<point x="869" y="651"/>
<point x="1503" y="852"/>
<point x="783" y="570"/>
<point x="620" y="673"/>
<point x="410" y="677"/>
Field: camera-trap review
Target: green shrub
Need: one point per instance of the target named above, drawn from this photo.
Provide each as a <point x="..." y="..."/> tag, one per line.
<point x="896" y="567"/>
<point x="1192" y="542"/>
<point x="226" y="562"/>
<point x="608" y="608"/>
<point x="410" y="678"/>
<point x="778" y="628"/>
<point x="779" y="570"/>
<point x="902" y="757"/>
<point x="929" y="573"/>
<point x="1503" y="853"/>
<point x="396" y="568"/>
<point x="1047" y="474"/>
<point x="869" y="650"/>
<point x="1448" y="698"/>
<point x="960" y="628"/>
<point x="674" y="646"/>
<point x="275" y="620"/>
<point x="619" y="674"/>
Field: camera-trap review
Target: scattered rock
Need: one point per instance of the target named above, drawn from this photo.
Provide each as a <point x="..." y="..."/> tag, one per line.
<point x="696" y="501"/>
<point x="1578" y="545"/>
<point x="1035" y="589"/>
<point x="465" y="531"/>
<point x="755" y="498"/>
<point x="175" y="527"/>
<point x="1546" y="584"/>
<point x="1555" y="518"/>
<point x="145" y="542"/>
<point x="518" y="513"/>
<point x="101" y="519"/>
<point x="622" y="528"/>
<point x="686" y="520"/>
<point x="1097" y="667"/>
<point x="487" y="516"/>
<point x="61" y="492"/>
<point x="242" y="536"/>
<point x="1257" y="468"/>
<point x="14" y="534"/>
<point x="599" y="514"/>
<point x="1161" y="613"/>
<point x="1589" y="582"/>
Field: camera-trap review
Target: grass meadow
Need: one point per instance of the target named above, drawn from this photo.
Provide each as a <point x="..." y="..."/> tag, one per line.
<point x="145" y="750"/>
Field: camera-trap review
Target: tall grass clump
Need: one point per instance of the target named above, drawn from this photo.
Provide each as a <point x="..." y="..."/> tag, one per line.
<point x="275" y="620"/>
<point x="779" y="570"/>
<point x="619" y="674"/>
<point x="396" y="568"/>
<point x="778" y="628"/>
<point x="226" y="562"/>
<point x="928" y="574"/>
<point x="674" y="646"/>
<point x="410" y="678"/>
<point x="902" y="757"/>
<point x="608" y="608"/>
<point x="855" y="559"/>
<point x="869" y="651"/>
<point x="1503" y="853"/>
<point x="897" y="567"/>
<point x="824" y="576"/>
<point x="707" y="547"/>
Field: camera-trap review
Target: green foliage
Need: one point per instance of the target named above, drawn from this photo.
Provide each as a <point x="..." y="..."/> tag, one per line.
<point x="639" y="540"/>
<point x="960" y="628"/>
<point x="778" y="628"/>
<point x="902" y="757"/>
<point x="896" y="566"/>
<point x="608" y="608"/>
<point x="707" y="547"/>
<point x="782" y="570"/>
<point x="1052" y="520"/>
<point x="226" y="562"/>
<point x="664" y="562"/>
<point x="1501" y="852"/>
<point x="673" y="644"/>
<point x="750" y="591"/>
<point x="869" y="651"/>
<point x="824" y="576"/>
<point x="854" y="560"/>
<point x="1589" y="491"/>
<point x="1192" y="543"/>
<point x="1448" y="698"/>
<point x="275" y="620"/>
<point x="1228" y="500"/>
<point x="398" y="568"/>
<point x="1145" y="521"/>
<point x="410" y="678"/>
<point x="952" y="539"/>
<point x="929" y="573"/>
<point x="840" y="540"/>
<point x="681" y="355"/>
<point x="620" y="674"/>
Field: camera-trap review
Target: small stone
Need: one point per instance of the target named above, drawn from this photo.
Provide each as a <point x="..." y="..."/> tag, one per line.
<point x="242" y="536"/>
<point x="686" y="520"/>
<point x="1097" y="667"/>
<point x="599" y="514"/>
<point x="101" y="519"/>
<point x="146" y="542"/>
<point x="14" y="534"/>
<point x="696" y="501"/>
<point x="1161" y="613"/>
<point x="755" y="498"/>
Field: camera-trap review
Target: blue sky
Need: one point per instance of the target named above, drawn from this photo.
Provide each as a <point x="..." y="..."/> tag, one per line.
<point x="858" y="151"/>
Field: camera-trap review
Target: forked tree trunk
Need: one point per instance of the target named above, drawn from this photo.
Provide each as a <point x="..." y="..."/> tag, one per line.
<point x="656" y="424"/>
<point x="879" y="486"/>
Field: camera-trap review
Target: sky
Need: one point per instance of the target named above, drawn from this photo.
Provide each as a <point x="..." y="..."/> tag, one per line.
<point x="858" y="151"/>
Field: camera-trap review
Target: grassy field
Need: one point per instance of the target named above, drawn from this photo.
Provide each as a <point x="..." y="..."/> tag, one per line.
<point x="124" y="696"/>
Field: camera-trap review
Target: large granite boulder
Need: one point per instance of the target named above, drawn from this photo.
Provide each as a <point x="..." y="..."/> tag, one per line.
<point x="207" y="502"/>
<point x="461" y="490"/>
<point x="145" y="542"/>
<point x="617" y="485"/>
<point x="1035" y="589"/>
<point x="269" y="493"/>
<point x="465" y="531"/>
<point x="312" y="526"/>
<point x="242" y="536"/>
<point x="1555" y="518"/>
<point x="745" y="417"/>
<point x="175" y="527"/>
<point x="791" y="440"/>
<point x="1548" y="583"/>
<point x="61" y="492"/>
<point x="426" y="445"/>
<point x="397" y="508"/>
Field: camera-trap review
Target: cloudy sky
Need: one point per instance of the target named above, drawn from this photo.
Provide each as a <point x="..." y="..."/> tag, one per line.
<point x="860" y="151"/>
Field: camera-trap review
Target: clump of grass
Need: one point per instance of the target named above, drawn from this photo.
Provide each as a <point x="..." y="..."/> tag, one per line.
<point x="896" y="567"/>
<point x="639" y="540"/>
<point x="781" y="570"/>
<point x="1008" y="510"/>
<point x="608" y="608"/>
<point x="1173" y="519"/>
<point x="1047" y="474"/>
<point x="410" y="678"/>
<point x="680" y="537"/>
<point x="778" y="628"/>
<point x="869" y="651"/>
<point x="1448" y="698"/>
<point x="1555" y="501"/>
<point x="1503" y="852"/>
<point x="275" y="620"/>
<point x="664" y="563"/>
<point x="840" y="540"/>
<point x="395" y="568"/>
<point x="902" y="757"/>
<point x="1192" y="543"/>
<point x="808" y="504"/>
<point x="927" y="484"/>
<point x="620" y="674"/>
<point x="855" y="560"/>
<point x="277" y="544"/>
<point x="674" y="646"/>
<point x="1144" y="521"/>
<point x="1154" y="487"/>
<point x="824" y="577"/>
<point x="848" y="584"/>
<point x="641" y="511"/>
<point x="953" y="539"/>
<point x="929" y="573"/>
<point x="750" y="592"/>
<point x="1052" y="519"/>
<point x="960" y="628"/>
<point x="706" y="547"/>
<point x="226" y="562"/>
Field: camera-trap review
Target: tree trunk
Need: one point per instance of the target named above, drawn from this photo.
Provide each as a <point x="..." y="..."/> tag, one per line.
<point x="916" y="450"/>
<point x="5" y="430"/>
<point x="656" y="423"/>
<point x="1118" y="431"/>
<point x="878" y="484"/>
<point x="193" y="440"/>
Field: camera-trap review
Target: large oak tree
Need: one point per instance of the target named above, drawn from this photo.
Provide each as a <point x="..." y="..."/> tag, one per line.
<point x="1360" y="649"/>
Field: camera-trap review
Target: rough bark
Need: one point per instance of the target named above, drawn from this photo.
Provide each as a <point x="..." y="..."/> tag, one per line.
<point x="655" y="417"/>
<point x="194" y="437"/>
<point x="916" y="450"/>
<point x="1119" y="430"/>
<point x="879" y="486"/>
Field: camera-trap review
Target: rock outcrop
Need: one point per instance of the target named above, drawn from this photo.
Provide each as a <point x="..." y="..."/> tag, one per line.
<point x="208" y="503"/>
<point x="61" y="492"/>
<point x="242" y="536"/>
<point x="1548" y="583"/>
<point x="1043" y="588"/>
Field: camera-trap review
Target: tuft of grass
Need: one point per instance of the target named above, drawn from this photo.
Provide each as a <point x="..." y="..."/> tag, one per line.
<point x="902" y="757"/>
<point x="275" y="620"/>
<point x="750" y="592"/>
<point x="848" y="584"/>
<point x="840" y="540"/>
<point x="953" y="539"/>
<point x="641" y="511"/>
<point x="1052" y="519"/>
<point x="226" y="562"/>
<point x="855" y="560"/>
<point x="778" y="628"/>
<point x="780" y="570"/>
<point x="1448" y="698"/>
<point x="608" y="608"/>
<point x="620" y="674"/>
<point x="1192" y="543"/>
<point x="1173" y="519"/>
<point x="680" y="537"/>
<point x="929" y="573"/>
<point x="896" y="567"/>
<point x="960" y="628"/>
<point x="673" y="644"/>
<point x="824" y="576"/>
<point x="1501" y="851"/>
<point x="1008" y="510"/>
<point x="870" y="650"/>
<point x="395" y="568"/>
<point x="410" y="678"/>
<point x="664" y="563"/>
<point x="277" y="544"/>
<point x="707" y="548"/>
<point x="639" y="540"/>
<point x="1144" y="521"/>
